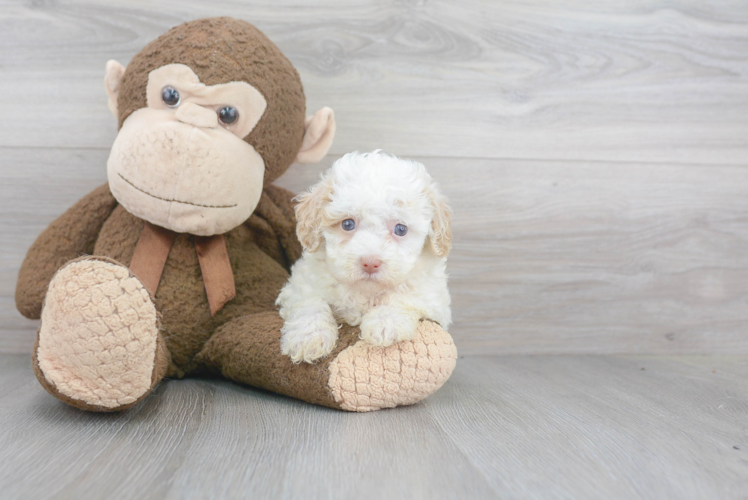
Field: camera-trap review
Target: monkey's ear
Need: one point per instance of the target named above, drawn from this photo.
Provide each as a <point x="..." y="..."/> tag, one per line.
<point x="112" y="81"/>
<point x="318" y="136"/>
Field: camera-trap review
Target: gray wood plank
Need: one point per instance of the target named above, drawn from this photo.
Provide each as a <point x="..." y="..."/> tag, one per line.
<point x="602" y="427"/>
<point x="636" y="81"/>
<point x="502" y="427"/>
<point x="212" y="439"/>
<point x="549" y="257"/>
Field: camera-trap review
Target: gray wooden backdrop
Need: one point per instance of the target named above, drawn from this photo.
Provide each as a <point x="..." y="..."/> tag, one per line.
<point x="596" y="156"/>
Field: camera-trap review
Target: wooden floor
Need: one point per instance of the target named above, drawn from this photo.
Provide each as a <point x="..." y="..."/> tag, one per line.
<point x="596" y="157"/>
<point x="616" y="427"/>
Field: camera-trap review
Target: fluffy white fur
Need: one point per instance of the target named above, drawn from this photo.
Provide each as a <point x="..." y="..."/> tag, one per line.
<point x="328" y="283"/>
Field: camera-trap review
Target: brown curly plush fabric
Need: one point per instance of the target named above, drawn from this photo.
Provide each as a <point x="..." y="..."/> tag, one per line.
<point x="67" y="238"/>
<point x="259" y="262"/>
<point x="222" y="50"/>
<point x="261" y="252"/>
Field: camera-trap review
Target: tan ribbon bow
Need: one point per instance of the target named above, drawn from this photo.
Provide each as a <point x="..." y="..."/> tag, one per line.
<point x="153" y="248"/>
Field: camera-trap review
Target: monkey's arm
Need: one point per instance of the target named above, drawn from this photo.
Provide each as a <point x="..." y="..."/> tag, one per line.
<point x="274" y="223"/>
<point x="70" y="235"/>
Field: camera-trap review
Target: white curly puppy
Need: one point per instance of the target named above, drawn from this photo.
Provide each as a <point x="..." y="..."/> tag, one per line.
<point x="376" y="234"/>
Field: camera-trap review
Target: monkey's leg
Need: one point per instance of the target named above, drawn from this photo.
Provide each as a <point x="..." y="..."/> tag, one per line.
<point x="98" y="347"/>
<point x="355" y="376"/>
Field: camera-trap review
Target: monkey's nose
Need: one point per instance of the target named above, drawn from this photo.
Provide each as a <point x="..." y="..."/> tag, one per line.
<point x="371" y="264"/>
<point x="194" y="114"/>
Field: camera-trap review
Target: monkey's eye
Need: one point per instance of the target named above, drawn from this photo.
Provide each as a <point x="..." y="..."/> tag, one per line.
<point x="348" y="225"/>
<point x="170" y="96"/>
<point x="400" y="230"/>
<point x="228" y="115"/>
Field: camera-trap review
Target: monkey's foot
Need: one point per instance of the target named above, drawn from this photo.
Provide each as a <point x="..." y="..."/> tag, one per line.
<point x="355" y="376"/>
<point x="365" y="377"/>
<point x="98" y="346"/>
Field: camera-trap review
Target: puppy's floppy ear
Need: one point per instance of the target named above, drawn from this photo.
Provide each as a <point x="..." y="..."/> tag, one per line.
<point x="310" y="214"/>
<point x="440" y="233"/>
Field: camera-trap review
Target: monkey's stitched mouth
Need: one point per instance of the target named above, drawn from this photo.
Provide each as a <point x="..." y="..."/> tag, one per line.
<point x="172" y="200"/>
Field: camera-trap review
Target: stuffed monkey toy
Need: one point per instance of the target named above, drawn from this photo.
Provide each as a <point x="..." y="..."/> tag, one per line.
<point x="172" y="268"/>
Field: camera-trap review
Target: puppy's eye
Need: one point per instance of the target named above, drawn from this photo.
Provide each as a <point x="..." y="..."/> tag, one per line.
<point x="228" y="115"/>
<point x="348" y="225"/>
<point x="400" y="230"/>
<point x="170" y="96"/>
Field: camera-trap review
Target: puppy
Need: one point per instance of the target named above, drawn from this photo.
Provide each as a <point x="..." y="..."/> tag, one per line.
<point x="376" y="234"/>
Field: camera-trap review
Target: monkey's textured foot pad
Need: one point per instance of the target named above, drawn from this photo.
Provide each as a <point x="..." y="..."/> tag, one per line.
<point x="365" y="378"/>
<point x="98" y="337"/>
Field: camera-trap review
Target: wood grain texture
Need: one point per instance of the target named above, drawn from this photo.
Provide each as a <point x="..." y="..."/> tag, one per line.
<point x="619" y="226"/>
<point x="503" y="427"/>
<point x="635" y="80"/>
<point x="549" y="257"/>
<point x="601" y="427"/>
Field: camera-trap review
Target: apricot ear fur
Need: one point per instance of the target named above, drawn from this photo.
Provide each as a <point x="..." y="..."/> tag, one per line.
<point x="440" y="233"/>
<point x="318" y="136"/>
<point x="310" y="215"/>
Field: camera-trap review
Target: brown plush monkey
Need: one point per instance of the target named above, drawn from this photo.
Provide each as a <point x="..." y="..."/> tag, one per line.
<point x="173" y="267"/>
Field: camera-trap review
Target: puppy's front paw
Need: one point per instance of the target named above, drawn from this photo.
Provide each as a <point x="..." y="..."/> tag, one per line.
<point x="383" y="326"/>
<point x="309" y="340"/>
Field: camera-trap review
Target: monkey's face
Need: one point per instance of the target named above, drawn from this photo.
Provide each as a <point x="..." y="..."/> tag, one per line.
<point x="182" y="162"/>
